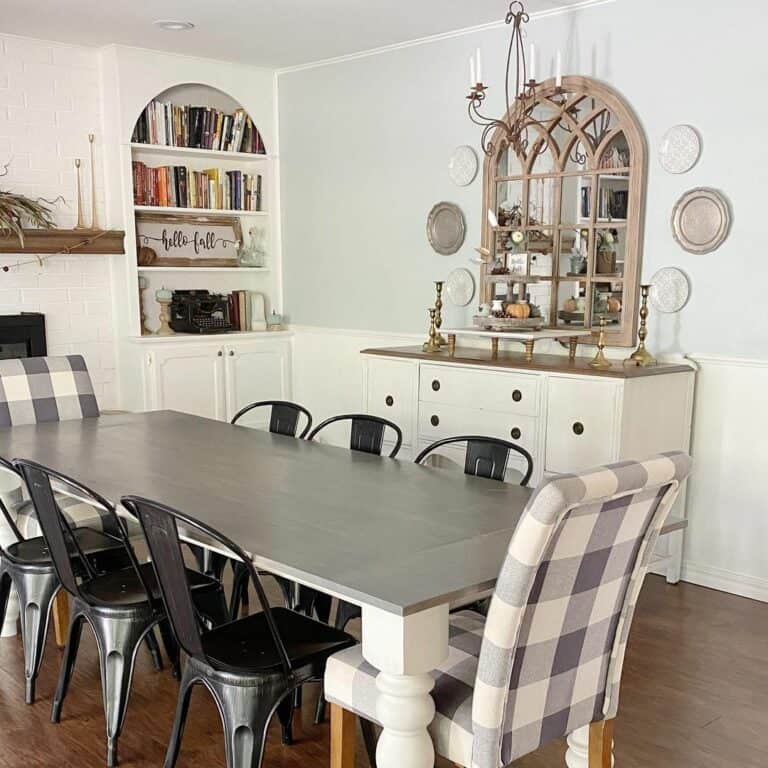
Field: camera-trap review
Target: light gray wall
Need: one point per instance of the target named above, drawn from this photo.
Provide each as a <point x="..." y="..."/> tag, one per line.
<point x="365" y="143"/>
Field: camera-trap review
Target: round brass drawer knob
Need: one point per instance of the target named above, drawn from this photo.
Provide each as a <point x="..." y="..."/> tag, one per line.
<point x="390" y="401"/>
<point x="578" y="428"/>
<point x="516" y="433"/>
<point x="517" y="395"/>
<point x="434" y="420"/>
<point x="435" y="385"/>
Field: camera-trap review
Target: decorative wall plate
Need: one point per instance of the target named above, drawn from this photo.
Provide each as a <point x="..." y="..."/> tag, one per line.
<point x="463" y="166"/>
<point x="670" y="290"/>
<point x="701" y="219"/>
<point x="446" y="228"/>
<point x="460" y="287"/>
<point x="680" y="149"/>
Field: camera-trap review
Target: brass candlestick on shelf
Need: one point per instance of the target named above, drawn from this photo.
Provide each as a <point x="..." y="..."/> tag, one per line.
<point x="431" y="344"/>
<point x="80" y="219"/>
<point x="641" y="356"/>
<point x="441" y="340"/>
<point x="600" y="360"/>
<point x="94" y="221"/>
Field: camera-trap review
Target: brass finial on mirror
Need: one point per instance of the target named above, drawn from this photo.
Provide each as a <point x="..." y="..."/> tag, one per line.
<point x="600" y="360"/>
<point x="431" y="344"/>
<point x="641" y="356"/>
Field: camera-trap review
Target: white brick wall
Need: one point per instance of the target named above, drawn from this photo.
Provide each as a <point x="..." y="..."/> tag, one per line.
<point x="49" y="103"/>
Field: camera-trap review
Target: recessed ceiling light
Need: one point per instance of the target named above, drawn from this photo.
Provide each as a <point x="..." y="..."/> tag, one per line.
<point x="171" y="25"/>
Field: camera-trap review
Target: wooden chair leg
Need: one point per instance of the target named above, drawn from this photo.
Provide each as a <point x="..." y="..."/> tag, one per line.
<point x="61" y="617"/>
<point x="601" y="744"/>
<point x="342" y="737"/>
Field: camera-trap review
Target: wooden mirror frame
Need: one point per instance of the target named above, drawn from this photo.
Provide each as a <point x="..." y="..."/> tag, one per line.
<point x="577" y="89"/>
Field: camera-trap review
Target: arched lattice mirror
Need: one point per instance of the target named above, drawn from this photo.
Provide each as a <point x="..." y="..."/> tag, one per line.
<point x="569" y="208"/>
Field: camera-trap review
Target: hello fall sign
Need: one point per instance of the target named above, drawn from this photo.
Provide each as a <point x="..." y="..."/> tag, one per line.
<point x="187" y="241"/>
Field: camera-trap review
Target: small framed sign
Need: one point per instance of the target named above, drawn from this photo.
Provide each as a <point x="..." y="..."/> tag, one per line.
<point x="187" y="241"/>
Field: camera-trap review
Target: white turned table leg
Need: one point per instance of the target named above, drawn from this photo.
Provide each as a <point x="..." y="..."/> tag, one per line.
<point x="10" y="493"/>
<point x="577" y="755"/>
<point x="406" y="649"/>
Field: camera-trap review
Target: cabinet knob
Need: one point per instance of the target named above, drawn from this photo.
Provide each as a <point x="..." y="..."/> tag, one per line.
<point x="231" y="352"/>
<point x="220" y="353"/>
<point x="435" y="385"/>
<point x="578" y="428"/>
<point x="515" y="433"/>
<point x="434" y="420"/>
<point x="389" y="400"/>
<point x="517" y="395"/>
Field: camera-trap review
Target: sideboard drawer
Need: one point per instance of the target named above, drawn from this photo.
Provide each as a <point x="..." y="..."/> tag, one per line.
<point x="506" y="392"/>
<point x="581" y="424"/>
<point x="438" y="421"/>
<point x="392" y="393"/>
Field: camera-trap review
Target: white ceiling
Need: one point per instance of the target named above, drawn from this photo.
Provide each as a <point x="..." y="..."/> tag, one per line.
<point x="269" y="33"/>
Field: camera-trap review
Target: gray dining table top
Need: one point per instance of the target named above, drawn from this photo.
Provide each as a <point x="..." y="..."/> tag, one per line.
<point x="373" y="530"/>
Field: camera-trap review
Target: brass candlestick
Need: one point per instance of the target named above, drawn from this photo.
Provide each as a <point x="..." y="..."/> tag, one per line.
<point x="641" y="356"/>
<point x="441" y="340"/>
<point x="600" y="360"/>
<point x="80" y="219"/>
<point x="94" y="221"/>
<point x="432" y="344"/>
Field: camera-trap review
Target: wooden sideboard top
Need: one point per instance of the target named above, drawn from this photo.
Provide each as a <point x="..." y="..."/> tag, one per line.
<point x="540" y="362"/>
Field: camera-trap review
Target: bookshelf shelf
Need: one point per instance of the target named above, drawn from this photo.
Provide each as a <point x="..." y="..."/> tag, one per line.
<point x="196" y="211"/>
<point x="204" y="269"/>
<point x="213" y="154"/>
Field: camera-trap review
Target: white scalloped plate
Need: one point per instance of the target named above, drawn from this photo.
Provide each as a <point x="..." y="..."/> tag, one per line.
<point x="670" y="290"/>
<point x="680" y="149"/>
<point x="460" y="287"/>
<point x="463" y="166"/>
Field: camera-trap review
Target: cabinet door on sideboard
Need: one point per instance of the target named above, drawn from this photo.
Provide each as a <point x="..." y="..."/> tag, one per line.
<point x="391" y="391"/>
<point x="582" y="423"/>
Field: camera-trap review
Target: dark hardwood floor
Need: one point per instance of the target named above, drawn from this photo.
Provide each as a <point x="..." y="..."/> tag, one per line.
<point x="695" y="695"/>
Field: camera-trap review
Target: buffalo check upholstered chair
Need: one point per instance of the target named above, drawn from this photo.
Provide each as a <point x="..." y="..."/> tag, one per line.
<point x="548" y="658"/>
<point x="34" y="390"/>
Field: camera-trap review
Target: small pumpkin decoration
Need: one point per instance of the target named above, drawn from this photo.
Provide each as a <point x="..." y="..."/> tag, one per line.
<point x="571" y="305"/>
<point x="521" y="311"/>
<point x="146" y="256"/>
<point x="614" y="305"/>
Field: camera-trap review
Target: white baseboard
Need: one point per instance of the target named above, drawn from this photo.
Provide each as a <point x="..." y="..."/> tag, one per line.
<point x="726" y="581"/>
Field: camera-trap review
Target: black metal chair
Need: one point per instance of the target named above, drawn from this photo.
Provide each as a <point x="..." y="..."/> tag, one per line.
<point x="484" y="456"/>
<point x="283" y="420"/>
<point x="250" y="666"/>
<point x="367" y="432"/>
<point x="121" y="606"/>
<point x="26" y="565"/>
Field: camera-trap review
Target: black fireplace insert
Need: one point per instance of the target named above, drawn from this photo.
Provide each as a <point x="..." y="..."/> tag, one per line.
<point x="22" y="335"/>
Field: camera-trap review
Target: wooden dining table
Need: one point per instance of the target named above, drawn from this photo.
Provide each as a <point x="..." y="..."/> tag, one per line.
<point x="402" y="541"/>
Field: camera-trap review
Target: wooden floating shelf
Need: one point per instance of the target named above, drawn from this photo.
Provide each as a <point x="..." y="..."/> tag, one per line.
<point x="195" y="211"/>
<point x="159" y="149"/>
<point x="203" y="269"/>
<point x="60" y="241"/>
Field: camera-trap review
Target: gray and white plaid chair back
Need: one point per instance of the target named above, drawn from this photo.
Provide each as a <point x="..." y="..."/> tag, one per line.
<point x="39" y="389"/>
<point x="554" y="640"/>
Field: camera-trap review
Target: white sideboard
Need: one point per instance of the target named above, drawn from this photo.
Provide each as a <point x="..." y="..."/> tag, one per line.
<point x="214" y="376"/>
<point x="567" y="415"/>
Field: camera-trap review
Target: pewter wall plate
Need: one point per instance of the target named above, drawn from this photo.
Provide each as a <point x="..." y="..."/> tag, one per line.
<point x="680" y="149"/>
<point x="446" y="228"/>
<point x="701" y="219"/>
<point x="670" y="290"/>
<point x="463" y="166"/>
<point x="460" y="287"/>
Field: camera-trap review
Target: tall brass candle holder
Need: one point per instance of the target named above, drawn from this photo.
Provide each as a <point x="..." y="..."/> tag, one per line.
<point x="432" y="344"/>
<point x="600" y="361"/>
<point x="80" y="218"/>
<point x="441" y="340"/>
<point x="641" y="356"/>
<point x="94" y="220"/>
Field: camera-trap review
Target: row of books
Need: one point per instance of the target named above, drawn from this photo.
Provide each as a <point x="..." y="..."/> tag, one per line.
<point x="174" y="125"/>
<point x="611" y="203"/>
<point x="240" y="310"/>
<point x="178" y="186"/>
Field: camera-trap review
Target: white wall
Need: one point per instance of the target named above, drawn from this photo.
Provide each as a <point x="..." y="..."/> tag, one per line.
<point x="49" y="102"/>
<point x="365" y="144"/>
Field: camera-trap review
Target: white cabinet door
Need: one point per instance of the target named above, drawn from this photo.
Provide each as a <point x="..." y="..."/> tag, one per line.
<point x="582" y="423"/>
<point x="188" y="378"/>
<point x="391" y="393"/>
<point x="256" y="370"/>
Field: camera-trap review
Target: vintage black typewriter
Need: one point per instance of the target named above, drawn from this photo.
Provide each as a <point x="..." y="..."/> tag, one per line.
<point x="199" y="312"/>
